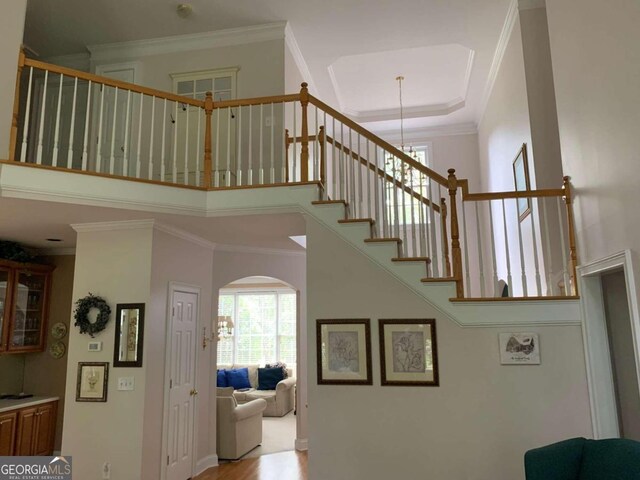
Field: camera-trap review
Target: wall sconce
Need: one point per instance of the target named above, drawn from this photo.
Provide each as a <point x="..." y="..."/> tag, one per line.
<point x="223" y="328"/>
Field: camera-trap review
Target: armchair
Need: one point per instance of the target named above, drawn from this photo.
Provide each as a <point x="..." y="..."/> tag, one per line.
<point x="582" y="459"/>
<point x="239" y="427"/>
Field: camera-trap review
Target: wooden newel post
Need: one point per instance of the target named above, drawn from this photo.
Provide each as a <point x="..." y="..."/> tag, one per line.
<point x="445" y="243"/>
<point x="323" y="163"/>
<point x="304" y="153"/>
<point x="456" y="252"/>
<point x="208" y="147"/>
<point x="13" y="138"/>
<point x="573" y="253"/>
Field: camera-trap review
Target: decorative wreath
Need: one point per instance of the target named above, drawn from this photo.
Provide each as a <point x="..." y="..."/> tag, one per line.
<point x="81" y="314"/>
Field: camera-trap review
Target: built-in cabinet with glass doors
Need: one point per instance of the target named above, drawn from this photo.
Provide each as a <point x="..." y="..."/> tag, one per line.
<point x="24" y="306"/>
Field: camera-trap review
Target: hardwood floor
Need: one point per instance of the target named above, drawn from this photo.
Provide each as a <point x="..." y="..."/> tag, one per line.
<point x="277" y="466"/>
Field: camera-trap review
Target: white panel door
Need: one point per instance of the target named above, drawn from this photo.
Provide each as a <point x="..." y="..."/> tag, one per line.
<point x="182" y="386"/>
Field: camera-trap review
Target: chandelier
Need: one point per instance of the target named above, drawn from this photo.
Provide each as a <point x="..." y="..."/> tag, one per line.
<point x="396" y="165"/>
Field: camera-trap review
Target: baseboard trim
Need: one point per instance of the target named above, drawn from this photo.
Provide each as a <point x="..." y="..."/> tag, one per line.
<point x="302" y="444"/>
<point x="206" y="463"/>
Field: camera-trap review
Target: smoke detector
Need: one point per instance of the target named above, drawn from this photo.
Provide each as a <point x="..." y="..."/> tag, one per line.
<point x="184" y="10"/>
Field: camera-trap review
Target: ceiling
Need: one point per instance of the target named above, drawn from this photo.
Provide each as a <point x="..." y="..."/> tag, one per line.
<point x="444" y="48"/>
<point x="32" y="222"/>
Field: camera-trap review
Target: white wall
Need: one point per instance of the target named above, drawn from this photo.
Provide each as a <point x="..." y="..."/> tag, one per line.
<point x="476" y="425"/>
<point x="229" y="266"/>
<point x="115" y="265"/>
<point x="292" y="76"/>
<point x="12" y="28"/>
<point x="176" y="260"/>
<point x="596" y="64"/>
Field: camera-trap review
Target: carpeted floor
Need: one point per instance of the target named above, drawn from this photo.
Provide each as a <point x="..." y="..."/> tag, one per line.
<point x="278" y="435"/>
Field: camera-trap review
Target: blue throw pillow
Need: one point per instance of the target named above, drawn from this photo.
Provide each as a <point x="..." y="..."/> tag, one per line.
<point x="222" y="379"/>
<point x="238" y="378"/>
<point x="268" y="378"/>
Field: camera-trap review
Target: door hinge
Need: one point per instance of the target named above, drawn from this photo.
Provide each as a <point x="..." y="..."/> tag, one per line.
<point x="167" y="460"/>
<point x="170" y="383"/>
<point x="173" y="311"/>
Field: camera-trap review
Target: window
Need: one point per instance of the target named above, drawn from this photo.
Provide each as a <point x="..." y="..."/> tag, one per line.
<point x="264" y="327"/>
<point x="222" y="83"/>
<point x="402" y="202"/>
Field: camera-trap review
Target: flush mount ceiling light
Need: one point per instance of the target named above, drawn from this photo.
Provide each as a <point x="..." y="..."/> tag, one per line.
<point x="184" y="10"/>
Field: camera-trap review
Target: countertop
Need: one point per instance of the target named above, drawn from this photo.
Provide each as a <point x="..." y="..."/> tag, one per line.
<point x="7" y="405"/>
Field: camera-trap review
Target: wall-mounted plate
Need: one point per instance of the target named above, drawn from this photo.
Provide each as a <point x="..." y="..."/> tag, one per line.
<point x="59" y="331"/>
<point x="57" y="350"/>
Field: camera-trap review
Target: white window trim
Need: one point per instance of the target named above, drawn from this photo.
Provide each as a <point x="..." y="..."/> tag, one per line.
<point x="205" y="74"/>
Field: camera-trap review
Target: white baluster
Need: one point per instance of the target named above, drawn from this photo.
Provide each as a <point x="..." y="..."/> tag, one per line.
<point x="186" y="144"/>
<point x="359" y="182"/>
<point x="466" y="250"/>
<point x="151" y="136"/>
<point x="228" y="173"/>
<point x="27" y="116"/>
<point x="261" y="169"/>
<point x="42" y="114"/>
<point x="285" y="163"/>
<point x="295" y="155"/>
<point x="272" y="171"/>
<point x="480" y="252"/>
<point x="506" y="246"/>
<point x="563" y="246"/>
<point x="412" y="199"/>
<point x="344" y="185"/>
<point x="239" y="159"/>
<point x="493" y="253"/>
<point x="403" y="237"/>
<point x="56" y="135"/>
<point x="523" y="273"/>
<point x="353" y="202"/>
<point x="433" y="226"/>
<point x="100" y="117"/>
<point x="198" y="152"/>
<point x="424" y="227"/>
<point x="549" y="272"/>
<point x="216" y="181"/>
<point x="174" y="166"/>
<point x="376" y="193"/>
<point x="250" y="159"/>
<point x="334" y="162"/>
<point x="316" y="147"/>
<point x="125" y="158"/>
<point x="139" y="144"/>
<point x="73" y="124"/>
<point x="113" y="132"/>
<point x="163" y="159"/>
<point x="534" y="202"/>
<point x="85" y="141"/>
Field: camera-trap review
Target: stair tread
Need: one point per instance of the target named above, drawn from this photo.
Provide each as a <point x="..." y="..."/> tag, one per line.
<point x="376" y="240"/>
<point x="437" y="279"/>
<point x="357" y="220"/>
<point x="411" y="259"/>
<point x="329" y="202"/>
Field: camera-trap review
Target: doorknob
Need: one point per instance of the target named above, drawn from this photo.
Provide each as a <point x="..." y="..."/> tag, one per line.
<point x="193" y="392"/>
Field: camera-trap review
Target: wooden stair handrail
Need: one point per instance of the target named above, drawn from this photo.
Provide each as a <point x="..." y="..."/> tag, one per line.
<point x="382" y="174"/>
<point x="378" y="141"/>
<point x="245" y="102"/>
<point x="111" y="82"/>
<point x="478" y="197"/>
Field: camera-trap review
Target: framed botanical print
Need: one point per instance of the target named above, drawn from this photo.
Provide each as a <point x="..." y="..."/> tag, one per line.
<point x="522" y="181"/>
<point x="408" y="353"/>
<point x="344" y="352"/>
<point x="93" y="378"/>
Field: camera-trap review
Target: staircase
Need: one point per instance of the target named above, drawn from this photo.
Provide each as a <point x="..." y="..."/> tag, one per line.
<point x="455" y="248"/>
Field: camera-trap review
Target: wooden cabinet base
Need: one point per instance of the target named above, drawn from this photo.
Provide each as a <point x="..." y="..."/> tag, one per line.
<point x="28" y="431"/>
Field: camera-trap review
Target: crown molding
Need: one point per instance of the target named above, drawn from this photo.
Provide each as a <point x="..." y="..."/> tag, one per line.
<point x="112" y="226"/>
<point x="419" y="111"/>
<point x="298" y="58"/>
<point x="503" y="42"/>
<point x="259" y="250"/>
<point x="187" y="43"/>
<point x="184" y="235"/>
<point x="426" y="133"/>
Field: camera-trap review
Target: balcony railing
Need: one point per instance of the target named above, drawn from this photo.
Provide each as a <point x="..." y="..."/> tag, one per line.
<point x="76" y="121"/>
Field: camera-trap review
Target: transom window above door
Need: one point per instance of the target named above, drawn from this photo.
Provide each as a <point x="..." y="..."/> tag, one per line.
<point x="222" y="83"/>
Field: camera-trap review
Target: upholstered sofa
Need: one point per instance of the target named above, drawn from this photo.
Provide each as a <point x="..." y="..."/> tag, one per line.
<point x="279" y="401"/>
<point x="582" y="459"/>
<point x="239" y="427"/>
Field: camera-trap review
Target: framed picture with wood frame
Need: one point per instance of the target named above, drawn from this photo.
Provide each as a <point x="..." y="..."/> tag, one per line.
<point x="522" y="181"/>
<point x="93" y="381"/>
<point x="344" y="352"/>
<point x="408" y="353"/>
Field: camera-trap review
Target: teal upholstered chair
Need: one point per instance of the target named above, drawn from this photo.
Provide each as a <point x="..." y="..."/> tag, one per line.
<point x="582" y="459"/>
